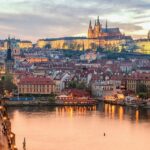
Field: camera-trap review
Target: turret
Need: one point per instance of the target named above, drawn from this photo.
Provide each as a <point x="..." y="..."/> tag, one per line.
<point x="90" y="30"/>
<point x="97" y="29"/>
<point x="106" y="27"/>
<point x="9" y="51"/>
<point x="90" y="24"/>
<point x="98" y="22"/>
<point x="9" y="61"/>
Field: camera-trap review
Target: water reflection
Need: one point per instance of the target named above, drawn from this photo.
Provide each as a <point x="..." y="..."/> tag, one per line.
<point x="105" y="110"/>
<point x="121" y="112"/>
<point x="72" y="127"/>
<point x="78" y="110"/>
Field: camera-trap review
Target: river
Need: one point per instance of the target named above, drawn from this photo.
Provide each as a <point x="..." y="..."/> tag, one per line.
<point x="81" y="128"/>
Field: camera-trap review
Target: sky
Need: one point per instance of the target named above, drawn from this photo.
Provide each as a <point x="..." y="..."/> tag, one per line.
<point x="36" y="19"/>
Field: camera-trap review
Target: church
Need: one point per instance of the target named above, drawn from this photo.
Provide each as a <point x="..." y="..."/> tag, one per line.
<point x="9" y="61"/>
<point x="99" y="32"/>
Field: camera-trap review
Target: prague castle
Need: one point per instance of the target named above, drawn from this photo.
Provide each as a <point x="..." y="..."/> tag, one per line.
<point x="107" y="38"/>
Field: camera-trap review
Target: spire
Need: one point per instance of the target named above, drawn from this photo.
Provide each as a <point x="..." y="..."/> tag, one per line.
<point x="98" y="22"/>
<point x="90" y="24"/>
<point x="106" y="26"/>
<point x="9" y="51"/>
<point x="9" y="43"/>
<point x="95" y="23"/>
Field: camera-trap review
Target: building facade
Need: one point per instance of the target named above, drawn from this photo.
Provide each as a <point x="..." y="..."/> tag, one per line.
<point x="133" y="81"/>
<point x="36" y="85"/>
<point x="143" y="46"/>
<point x="103" y="88"/>
<point x="25" y="44"/>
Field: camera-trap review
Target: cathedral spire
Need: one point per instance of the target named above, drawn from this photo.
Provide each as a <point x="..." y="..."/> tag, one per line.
<point x="9" y="43"/>
<point x="90" y="24"/>
<point x="106" y="26"/>
<point x="95" y="22"/>
<point x="98" y="21"/>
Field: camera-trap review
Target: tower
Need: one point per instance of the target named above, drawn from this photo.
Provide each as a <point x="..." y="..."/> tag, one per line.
<point x="98" y="22"/>
<point x="106" y="27"/>
<point x="90" y="30"/>
<point x="9" y="61"/>
<point x="97" y="28"/>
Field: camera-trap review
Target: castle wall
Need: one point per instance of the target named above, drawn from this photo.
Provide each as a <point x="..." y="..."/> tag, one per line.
<point x="80" y="44"/>
<point x="143" y="46"/>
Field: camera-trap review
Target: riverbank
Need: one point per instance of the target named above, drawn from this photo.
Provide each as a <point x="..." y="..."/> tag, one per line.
<point x="138" y="104"/>
<point x="8" y="103"/>
<point x="7" y="140"/>
<point x="44" y="103"/>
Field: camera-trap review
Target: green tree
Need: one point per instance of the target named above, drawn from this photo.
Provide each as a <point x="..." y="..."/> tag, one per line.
<point x="47" y="46"/>
<point x="81" y="85"/>
<point x="7" y="84"/>
<point x="52" y="98"/>
<point x="76" y="85"/>
<point x="142" y="90"/>
<point x="72" y="84"/>
<point x="93" y="46"/>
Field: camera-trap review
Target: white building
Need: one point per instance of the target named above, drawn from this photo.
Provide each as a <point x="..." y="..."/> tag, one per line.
<point x="103" y="88"/>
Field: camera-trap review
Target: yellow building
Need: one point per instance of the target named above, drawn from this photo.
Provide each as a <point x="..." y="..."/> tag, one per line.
<point x="25" y="44"/>
<point x="42" y="43"/>
<point x="37" y="59"/>
<point x="143" y="46"/>
<point x="81" y="43"/>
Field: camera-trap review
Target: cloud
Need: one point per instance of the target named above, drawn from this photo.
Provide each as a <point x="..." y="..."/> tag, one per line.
<point x="35" y="19"/>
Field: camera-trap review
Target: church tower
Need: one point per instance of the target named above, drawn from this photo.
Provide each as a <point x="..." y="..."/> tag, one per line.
<point x="97" y="28"/>
<point x="106" y="28"/>
<point x="90" y="30"/>
<point x="9" y="61"/>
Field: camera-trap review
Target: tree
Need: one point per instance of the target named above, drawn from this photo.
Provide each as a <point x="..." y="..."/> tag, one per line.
<point x="6" y="84"/>
<point x="93" y="46"/>
<point x="72" y="84"/>
<point x="47" y="46"/>
<point x="100" y="49"/>
<point x="81" y="85"/>
<point x="52" y="98"/>
<point x="1" y="88"/>
<point x="142" y="90"/>
<point x="76" y="85"/>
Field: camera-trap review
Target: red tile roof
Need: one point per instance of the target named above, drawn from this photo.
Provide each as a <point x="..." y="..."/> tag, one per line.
<point x="36" y="81"/>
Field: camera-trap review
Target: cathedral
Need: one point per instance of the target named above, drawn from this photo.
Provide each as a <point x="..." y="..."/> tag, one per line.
<point x="99" y="32"/>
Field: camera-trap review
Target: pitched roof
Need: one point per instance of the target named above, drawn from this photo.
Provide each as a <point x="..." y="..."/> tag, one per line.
<point x="36" y="81"/>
